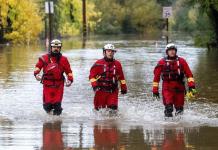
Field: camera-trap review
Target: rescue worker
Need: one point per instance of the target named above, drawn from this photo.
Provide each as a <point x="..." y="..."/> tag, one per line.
<point x="172" y="69"/>
<point x="104" y="76"/>
<point x="53" y="65"/>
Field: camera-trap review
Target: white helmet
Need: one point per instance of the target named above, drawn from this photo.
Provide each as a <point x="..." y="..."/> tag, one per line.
<point x="56" y="42"/>
<point x="109" y="47"/>
<point x="171" y="46"/>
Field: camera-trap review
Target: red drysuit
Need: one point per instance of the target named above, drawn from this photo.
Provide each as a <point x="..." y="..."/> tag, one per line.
<point x="104" y="76"/>
<point x="172" y="72"/>
<point x="53" y="79"/>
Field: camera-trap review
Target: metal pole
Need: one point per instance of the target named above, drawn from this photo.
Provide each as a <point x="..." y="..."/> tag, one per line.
<point x="84" y="42"/>
<point x="1" y="28"/>
<point x="81" y="136"/>
<point x="50" y="21"/>
<point x="84" y="19"/>
<point x="167" y="38"/>
<point x="46" y="33"/>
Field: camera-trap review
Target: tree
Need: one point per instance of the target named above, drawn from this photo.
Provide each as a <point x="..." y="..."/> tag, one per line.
<point x="69" y="16"/>
<point x="112" y="14"/>
<point x="165" y="2"/>
<point x="210" y="7"/>
<point x="187" y="18"/>
<point x="20" y="20"/>
<point x="145" y="15"/>
<point x="119" y="16"/>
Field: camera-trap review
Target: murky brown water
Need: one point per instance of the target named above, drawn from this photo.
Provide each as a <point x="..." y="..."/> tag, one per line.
<point x="140" y="123"/>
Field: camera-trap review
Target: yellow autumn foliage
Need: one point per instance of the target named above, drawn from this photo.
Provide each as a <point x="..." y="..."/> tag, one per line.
<point x="70" y="16"/>
<point x="21" y="20"/>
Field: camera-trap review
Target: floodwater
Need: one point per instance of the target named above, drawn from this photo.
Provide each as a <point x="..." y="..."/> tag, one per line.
<point x="140" y="122"/>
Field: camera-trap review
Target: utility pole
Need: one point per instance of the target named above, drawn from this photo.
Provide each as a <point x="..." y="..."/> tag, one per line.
<point x="50" y="21"/>
<point x="49" y="10"/>
<point x="84" y="19"/>
<point x="1" y="28"/>
<point x="167" y="24"/>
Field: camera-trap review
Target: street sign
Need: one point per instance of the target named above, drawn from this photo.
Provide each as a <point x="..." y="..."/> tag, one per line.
<point x="51" y="7"/>
<point x="167" y="12"/>
<point x="46" y="8"/>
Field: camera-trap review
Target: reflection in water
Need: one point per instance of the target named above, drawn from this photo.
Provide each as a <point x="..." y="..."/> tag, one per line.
<point x="173" y="140"/>
<point x="136" y="139"/>
<point x="112" y="137"/>
<point x="6" y="126"/>
<point x="106" y="138"/>
<point x="207" y="75"/>
<point x="53" y="136"/>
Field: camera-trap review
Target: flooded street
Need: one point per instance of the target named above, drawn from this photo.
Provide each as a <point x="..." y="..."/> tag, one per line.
<point x="140" y="122"/>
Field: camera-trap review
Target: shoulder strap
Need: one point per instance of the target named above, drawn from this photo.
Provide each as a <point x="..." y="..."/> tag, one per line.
<point x="178" y="65"/>
<point x="96" y="65"/>
<point x="45" y="62"/>
<point x="166" y="61"/>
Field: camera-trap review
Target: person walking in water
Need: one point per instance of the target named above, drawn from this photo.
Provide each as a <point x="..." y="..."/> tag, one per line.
<point x="53" y="64"/>
<point x="172" y="69"/>
<point x="104" y="76"/>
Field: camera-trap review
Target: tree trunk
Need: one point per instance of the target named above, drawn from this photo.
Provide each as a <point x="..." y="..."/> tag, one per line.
<point x="213" y="15"/>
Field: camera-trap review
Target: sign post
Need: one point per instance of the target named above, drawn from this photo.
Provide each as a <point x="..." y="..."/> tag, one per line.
<point x="167" y="12"/>
<point x="49" y="10"/>
<point x="84" y="18"/>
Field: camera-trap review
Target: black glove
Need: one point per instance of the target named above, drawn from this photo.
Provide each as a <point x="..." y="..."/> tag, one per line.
<point x="96" y="88"/>
<point x="156" y="95"/>
<point x="192" y="90"/>
<point x="123" y="91"/>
